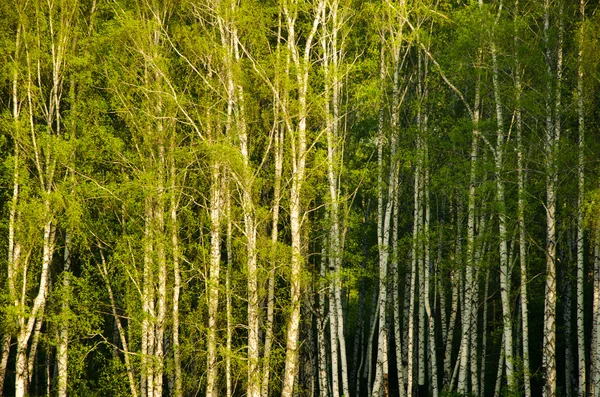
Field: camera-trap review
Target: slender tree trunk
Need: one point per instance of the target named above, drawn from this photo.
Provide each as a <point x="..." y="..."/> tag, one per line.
<point x="62" y="347"/>
<point x="321" y="325"/>
<point x="26" y="326"/>
<point x="504" y="265"/>
<point x="552" y="138"/>
<point x="148" y="306"/>
<point x="13" y="244"/>
<point x="474" y="326"/>
<point x="454" y="285"/>
<point x="383" y="237"/>
<point x="428" y="309"/>
<point x="177" y="392"/>
<point x="279" y="140"/>
<point x="595" y="386"/>
<point x="6" y="339"/>
<point x="500" y="370"/>
<point x="213" y="281"/>
<point x="369" y="348"/>
<point x="229" y="337"/>
<point x="580" y="204"/>
<point x="469" y="276"/>
<point x="421" y="242"/>
<point x="332" y="93"/>
<point x="417" y="216"/>
<point x="521" y="215"/>
<point x="299" y="150"/>
<point x="161" y="259"/>
<point x="360" y="321"/>
<point x="32" y="354"/>
<point x="335" y="378"/>
<point x="413" y="276"/>
<point x="335" y="143"/>
<point x="395" y="271"/>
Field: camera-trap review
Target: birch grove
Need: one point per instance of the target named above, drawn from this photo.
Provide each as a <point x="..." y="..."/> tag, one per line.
<point x="299" y="198"/>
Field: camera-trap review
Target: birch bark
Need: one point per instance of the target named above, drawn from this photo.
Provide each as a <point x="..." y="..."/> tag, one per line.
<point x="552" y="138"/>
<point x="521" y="213"/>
<point x="595" y="381"/>
<point x="13" y="241"/>
<point x="427" y="297"/>
<point x="580" y="204"/>
<point x="503" y="247"/>
<point x="329" y="42"/>
<point x="469" y="277"/>
<point x="45" y="161"/>
<point x="383" y="239"/>
<point x="321" y="325"/>
<point x="454" y="285"/>
<point x="213" y="281"/>
<point x="279" y="140"/>
<point x="177" y="390"/>
<point x="299" y="151"/>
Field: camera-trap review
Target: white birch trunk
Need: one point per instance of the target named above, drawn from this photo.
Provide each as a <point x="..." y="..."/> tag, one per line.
<point x="299" y="150"/>
<point x="177" y="389"/>
<point x="278" y="146"/>
<point x="580" y="204"/>
<point x="474" y="326"/>
<point x="521" y="217"/>
<point x="395" y="272"/>
<point x="13" y="244"/>
<point x="413" y="276"/>
<point x="332" y="93"/>
<point x="29" y="325"/>
<point x="421" y="260"/>
<point x="367" y="370"/>
<point x="595" y="378"/>
<point x="26" y="326"/>
<point x="454" y="285"/>
<point x="321" y="325"/>
<point x="335" y="381"/>
<point x="359" y="335"/>
<point x="148" y="322"/>
<point x="228" y="319"/>
<point x="469" y="277"/>
<point x="383" y="238"/>
<point x="427" y="275"/>
<point x="416" y="268"/>
<point x="63" y="340"/>
<point x="500" y="370"/>
<point x="161" y="259"/>
<point x="552" y="138"/>
<point x="213" y="281"/>
<point x="503" y="246"/>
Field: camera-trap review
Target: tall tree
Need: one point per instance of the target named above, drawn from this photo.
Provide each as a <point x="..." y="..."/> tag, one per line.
<point x="580" y="204"/>
<point x="301" y="59"/>
<point x="553" y="127"/>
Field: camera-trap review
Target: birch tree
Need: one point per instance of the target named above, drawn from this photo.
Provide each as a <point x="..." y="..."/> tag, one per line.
<point x="580" y="204"/>
<point x="333" y="53"/>
<point x="553" y="127"/>
<point x="42" y="103"/>
<point x="500" y="197"/>
<point x="521" y="210"/>
<point x="298" y="139"/>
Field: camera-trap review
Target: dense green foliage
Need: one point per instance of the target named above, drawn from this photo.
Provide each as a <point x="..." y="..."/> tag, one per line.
<point x="139" y="148"/>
